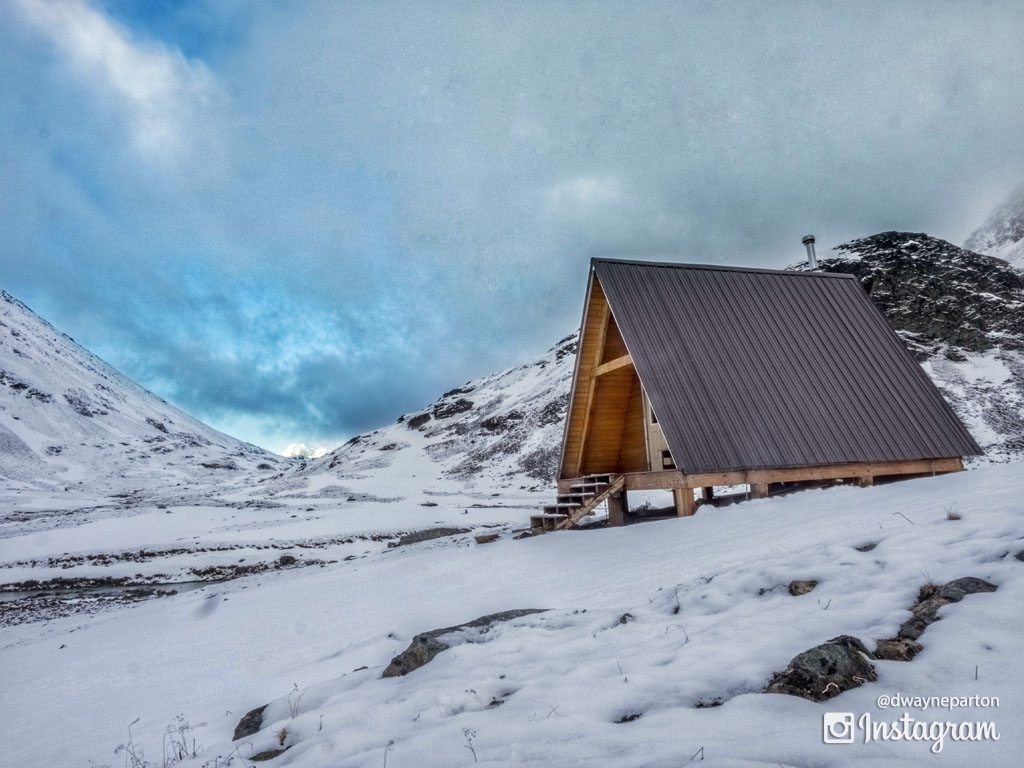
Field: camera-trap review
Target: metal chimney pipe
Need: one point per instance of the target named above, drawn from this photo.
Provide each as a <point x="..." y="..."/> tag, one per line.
<point x="812" y="258"/>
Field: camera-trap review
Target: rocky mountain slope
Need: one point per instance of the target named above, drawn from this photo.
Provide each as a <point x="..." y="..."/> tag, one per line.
<point x="1002" y="233"/>
<point x="498" y="431"/>
<point x="962" y="314"/>
<point x="70" y="422"/>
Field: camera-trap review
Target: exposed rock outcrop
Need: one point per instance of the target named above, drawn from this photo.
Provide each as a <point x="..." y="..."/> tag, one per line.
<point x="826" y="670"/>
<point x="427" y="534"/>
<point x="931" y="598"/>
<point x="935" y="293"/>
<point x="799" y="587"/>
<point x="251" y="722"/>
<point x="425" y="646"/>
<point x="844" y="662"/>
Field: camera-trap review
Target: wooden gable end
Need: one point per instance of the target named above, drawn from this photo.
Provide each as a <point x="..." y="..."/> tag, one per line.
<point x="605" y="427"/>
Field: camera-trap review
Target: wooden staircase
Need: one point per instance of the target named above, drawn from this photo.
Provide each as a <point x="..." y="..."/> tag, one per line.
<point x="581" y="500"/>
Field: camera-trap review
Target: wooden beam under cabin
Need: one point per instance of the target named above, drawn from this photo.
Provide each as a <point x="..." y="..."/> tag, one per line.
<point x="612" y="365"/>
<point x="686" y="505"/>
<point x="672" y="479"/>
<point x="618" y="508"/>
<point x="857" y="471"/>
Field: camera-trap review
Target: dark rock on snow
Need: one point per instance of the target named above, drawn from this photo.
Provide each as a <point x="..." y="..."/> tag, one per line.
<point x="897" y="649"/>
<point x="445" y="409"/>
<point x="267" y="754"/>
<point x="935" y="292"/>
<point x="932" y="597"/>
<point x="826" y="670"/>
<point x="415" y="422"/>
<point x="801" y="586"/>
<point x="425" y="646"/>
<point x="250" y="723"/>
<point x="955" y="591"/>
<point x="426" y="535"/>
<point x="844" y="663"/>
<point x="924" y="613"/>
<point x="486" y="538"/>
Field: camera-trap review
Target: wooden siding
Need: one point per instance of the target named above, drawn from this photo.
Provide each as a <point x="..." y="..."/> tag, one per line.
<point x="603" y="439"/>
<point x="633" y="450"/>
<point x="604" y="429"/>
<point x="614" y="346"/>
<point x="591" y="346"/>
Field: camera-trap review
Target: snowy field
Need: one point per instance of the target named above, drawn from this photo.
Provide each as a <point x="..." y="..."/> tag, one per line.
<point x="710" y="620"/>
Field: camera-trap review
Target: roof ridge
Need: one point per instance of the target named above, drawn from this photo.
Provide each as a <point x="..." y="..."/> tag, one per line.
<point x="717" y="267"/>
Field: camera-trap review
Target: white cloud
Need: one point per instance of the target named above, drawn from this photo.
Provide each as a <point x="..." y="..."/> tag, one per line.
<point x="304" y="451"/>
<point x="155" y="90"/>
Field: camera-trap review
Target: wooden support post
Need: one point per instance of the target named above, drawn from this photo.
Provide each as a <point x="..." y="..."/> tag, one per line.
<point x="866" y="481"/>
<point x="618" y="506"/>
<point x="758" y="490"/>
<point x="707" y="493"/>
<point x="685" y="504"/>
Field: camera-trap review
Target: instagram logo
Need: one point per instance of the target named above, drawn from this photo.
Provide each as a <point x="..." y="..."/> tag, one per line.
<point x="837" y="727"/>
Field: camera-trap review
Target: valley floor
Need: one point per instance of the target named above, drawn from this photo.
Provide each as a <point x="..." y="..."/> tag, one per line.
<point x="709" y="621"/>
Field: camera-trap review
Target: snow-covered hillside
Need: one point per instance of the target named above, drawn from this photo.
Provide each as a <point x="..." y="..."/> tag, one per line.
<point x="1002" y="233"/>
<point x="655" y="644"/>
<point x="499" y="431"/>
<point x="69" y="423"/>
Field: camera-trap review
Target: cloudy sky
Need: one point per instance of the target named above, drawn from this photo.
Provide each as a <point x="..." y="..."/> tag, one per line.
<point x="298" y="220"/>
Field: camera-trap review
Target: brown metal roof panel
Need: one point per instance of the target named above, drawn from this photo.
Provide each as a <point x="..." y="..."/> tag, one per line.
<point x="762" y="368"/>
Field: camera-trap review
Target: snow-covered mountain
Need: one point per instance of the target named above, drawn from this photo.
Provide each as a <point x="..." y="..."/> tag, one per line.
<point x="499" y="431"/>
<point x="1002" y="233"/>
<point x="962" y="314"/>
<point x="70" y="422"/>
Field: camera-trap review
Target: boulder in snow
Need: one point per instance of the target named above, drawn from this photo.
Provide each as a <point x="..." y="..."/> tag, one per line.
<point x="826" y="670"/>
<point x="425" y="646"/>
<point x="799" y="587"/>
<point x="250" y="723"/>
<point x="931" y="598"/>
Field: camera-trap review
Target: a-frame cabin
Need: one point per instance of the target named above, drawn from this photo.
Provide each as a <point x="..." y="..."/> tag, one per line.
<point x="694" y="376"/>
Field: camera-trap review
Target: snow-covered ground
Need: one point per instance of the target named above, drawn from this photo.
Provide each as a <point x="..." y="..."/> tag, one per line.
<point x="987" y="391"/>
<point x="710" y="620"/>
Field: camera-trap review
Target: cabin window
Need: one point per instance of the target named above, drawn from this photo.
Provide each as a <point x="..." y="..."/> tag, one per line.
<point x="666" y="460"/>
<point x="654" y="418"/>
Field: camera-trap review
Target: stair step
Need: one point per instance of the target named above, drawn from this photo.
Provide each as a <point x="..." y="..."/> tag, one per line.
<point x="560" y="509"/>
<point x="589" y="488"/>
<point x="579" y="502"/>
<point x="575" y="498"/>
<point x="545" y="523"/>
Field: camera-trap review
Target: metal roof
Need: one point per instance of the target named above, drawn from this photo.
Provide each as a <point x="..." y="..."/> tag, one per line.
<point x="756" y="369"/>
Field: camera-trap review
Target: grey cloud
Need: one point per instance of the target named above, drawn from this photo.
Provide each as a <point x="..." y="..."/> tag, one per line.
<point x="393" y="198"/>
